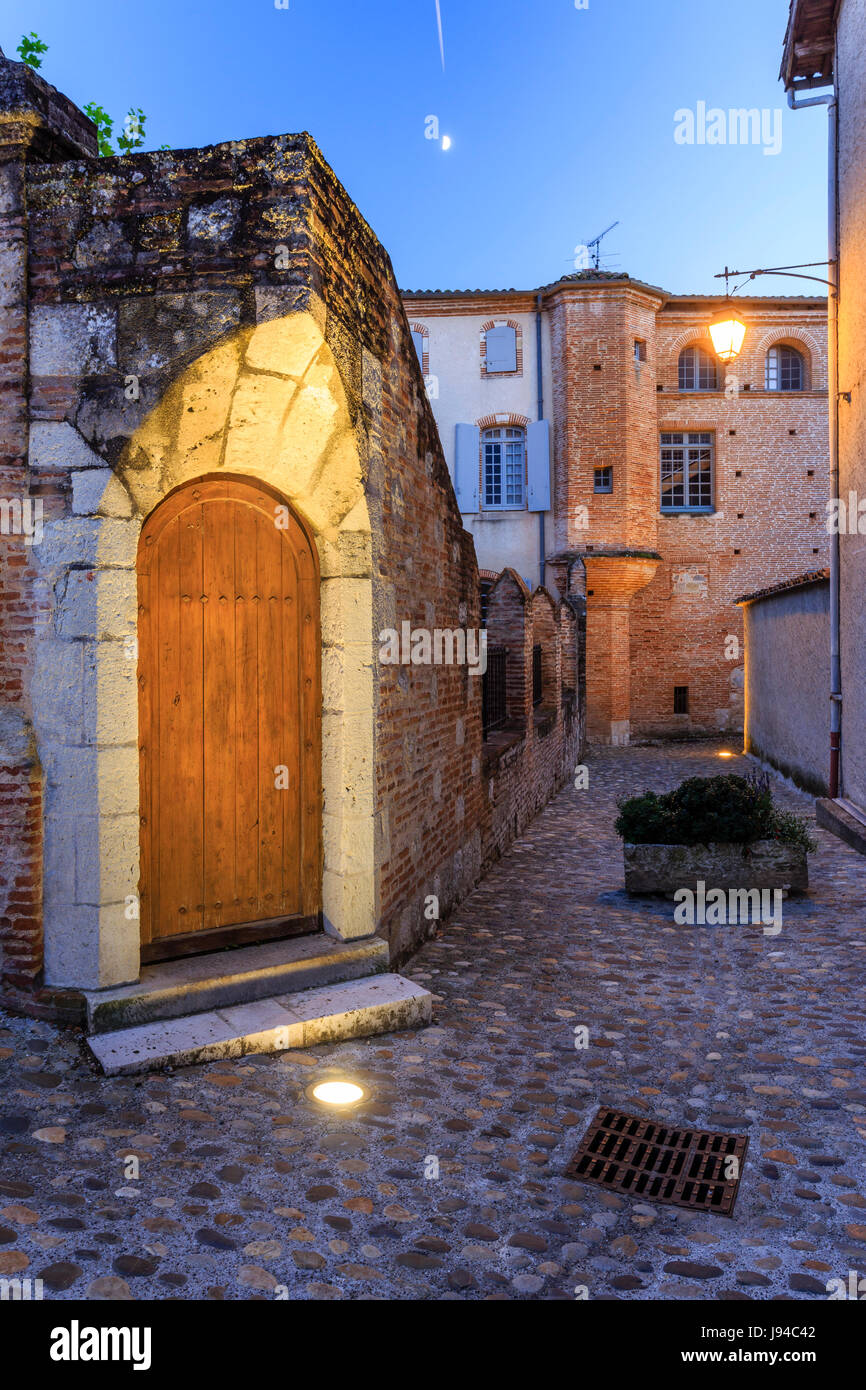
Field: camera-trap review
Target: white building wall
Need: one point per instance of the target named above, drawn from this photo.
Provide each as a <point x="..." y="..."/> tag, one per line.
<point x="460" y="394"/>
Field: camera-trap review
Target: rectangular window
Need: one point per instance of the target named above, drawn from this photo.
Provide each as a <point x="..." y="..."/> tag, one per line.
<point x="639" y="350"/>
<point x="493" y="706"/>
<point x="681" y="699"/>
<point x="603" y="480"/>
<point x="687" y="471"/>
<point x="504" y="468"/>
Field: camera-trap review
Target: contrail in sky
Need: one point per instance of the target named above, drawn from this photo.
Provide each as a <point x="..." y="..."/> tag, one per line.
<point x="441" y="40"/>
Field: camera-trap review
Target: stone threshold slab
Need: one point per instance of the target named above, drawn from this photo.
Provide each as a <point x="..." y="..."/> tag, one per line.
<point x="352" y="1009"/>
<point x="197" y="984"/>
<point x="842" y="819"/>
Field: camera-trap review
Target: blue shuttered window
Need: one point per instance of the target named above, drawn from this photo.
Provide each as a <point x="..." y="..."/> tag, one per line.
<point x="501" y="354"/>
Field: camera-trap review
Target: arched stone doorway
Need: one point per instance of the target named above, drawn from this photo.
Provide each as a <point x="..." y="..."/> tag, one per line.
<point x="229" y="720"/>
<point x="267" y="405"/>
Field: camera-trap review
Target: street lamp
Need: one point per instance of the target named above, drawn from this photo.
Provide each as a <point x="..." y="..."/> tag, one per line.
<point x="727" y="331"/>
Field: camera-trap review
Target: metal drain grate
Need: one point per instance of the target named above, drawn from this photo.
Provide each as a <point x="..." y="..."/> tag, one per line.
<point x="661" y="1163"/>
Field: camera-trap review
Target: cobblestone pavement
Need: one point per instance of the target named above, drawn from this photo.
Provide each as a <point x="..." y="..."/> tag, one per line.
<point x="247" y="1189"/>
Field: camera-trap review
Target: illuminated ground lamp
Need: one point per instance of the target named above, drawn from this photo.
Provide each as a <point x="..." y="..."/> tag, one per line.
<point x="337" y="1093"/>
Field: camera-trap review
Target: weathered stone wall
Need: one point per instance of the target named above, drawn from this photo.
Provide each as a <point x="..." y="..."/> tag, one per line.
<point x="37" y="123"/>
<point x="188" y="312"/>
<point x="788" y="682"/>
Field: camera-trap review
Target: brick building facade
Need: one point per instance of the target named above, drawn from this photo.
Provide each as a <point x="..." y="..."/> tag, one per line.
<point x="623" y="374"/>
<point x="220" y="329"/>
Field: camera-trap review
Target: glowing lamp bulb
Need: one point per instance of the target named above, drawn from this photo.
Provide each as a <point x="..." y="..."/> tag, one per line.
<point x="727" y="332"/>
<point x="338" y="1093"/>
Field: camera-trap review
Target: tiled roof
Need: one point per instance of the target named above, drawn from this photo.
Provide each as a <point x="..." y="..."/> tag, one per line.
<point x="590" y="277"/>
<point x="798" y="582"/>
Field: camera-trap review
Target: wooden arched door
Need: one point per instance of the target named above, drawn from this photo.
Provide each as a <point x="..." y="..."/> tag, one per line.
<point x="229" y="720"/>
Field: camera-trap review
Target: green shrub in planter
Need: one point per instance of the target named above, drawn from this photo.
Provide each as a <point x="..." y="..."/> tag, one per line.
<point x="711" y="810"/>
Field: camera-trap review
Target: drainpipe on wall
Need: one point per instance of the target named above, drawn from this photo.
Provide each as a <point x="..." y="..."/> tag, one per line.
<point x="833" y="391"/>
<point x="540" y="380"/>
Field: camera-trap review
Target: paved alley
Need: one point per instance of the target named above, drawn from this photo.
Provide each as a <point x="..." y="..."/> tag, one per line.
<point x="246" y="1189"/>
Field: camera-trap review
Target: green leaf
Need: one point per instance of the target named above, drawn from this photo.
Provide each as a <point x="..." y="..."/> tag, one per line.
<point x="29" y="49"/>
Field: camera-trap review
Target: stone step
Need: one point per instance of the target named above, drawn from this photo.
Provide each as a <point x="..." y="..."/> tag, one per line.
<point x="352" y="1009"/>
<point x="197" y="984"/>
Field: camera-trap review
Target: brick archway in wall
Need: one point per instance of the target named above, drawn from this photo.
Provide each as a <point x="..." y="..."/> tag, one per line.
<point x="229" y="720"/>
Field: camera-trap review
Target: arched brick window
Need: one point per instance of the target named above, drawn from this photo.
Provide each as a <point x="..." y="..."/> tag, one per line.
<point x="501" y="348"/>
<point x="421" y="340"/>
<point x="698" y="370"/>
<point x="785" y="369"/>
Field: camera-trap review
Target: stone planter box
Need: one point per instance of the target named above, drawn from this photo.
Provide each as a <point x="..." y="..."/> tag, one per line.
<point x="764" y="864"/>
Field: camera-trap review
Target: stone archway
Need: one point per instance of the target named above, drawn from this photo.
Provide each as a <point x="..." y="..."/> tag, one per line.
<point x="268" y="403"/>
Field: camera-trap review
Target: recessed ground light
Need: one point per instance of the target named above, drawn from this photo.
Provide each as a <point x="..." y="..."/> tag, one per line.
<point x="725" y="754"/>
<point x="337" y="1093"/>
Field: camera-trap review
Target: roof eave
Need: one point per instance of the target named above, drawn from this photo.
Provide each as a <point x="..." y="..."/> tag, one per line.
<point x="809" y="46"/>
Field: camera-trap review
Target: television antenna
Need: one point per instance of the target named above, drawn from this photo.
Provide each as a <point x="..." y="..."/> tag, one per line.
<point x="594" y="246"/>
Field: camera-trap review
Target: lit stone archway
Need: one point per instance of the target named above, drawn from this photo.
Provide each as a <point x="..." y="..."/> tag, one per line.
<point x="268" y="403"/>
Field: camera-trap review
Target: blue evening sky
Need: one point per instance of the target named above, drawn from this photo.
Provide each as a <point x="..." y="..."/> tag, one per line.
<point x="562" y="121"/>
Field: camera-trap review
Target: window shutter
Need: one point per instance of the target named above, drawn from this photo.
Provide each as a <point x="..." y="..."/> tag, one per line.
<point x="501" y="350"/>
<point x="418" y="340"/>
<point x="538" y="465"/>
<point x="466" y="467"/>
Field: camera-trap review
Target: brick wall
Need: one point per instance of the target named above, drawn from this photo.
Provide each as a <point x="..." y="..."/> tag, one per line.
<point x="539" y="745"/>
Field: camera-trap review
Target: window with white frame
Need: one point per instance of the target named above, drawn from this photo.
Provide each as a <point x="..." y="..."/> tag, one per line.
<point x="784" y="369"/>
<point x="503" y="453"/>
<point x="687" y="461"/>
<point x="697" y="370"/>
